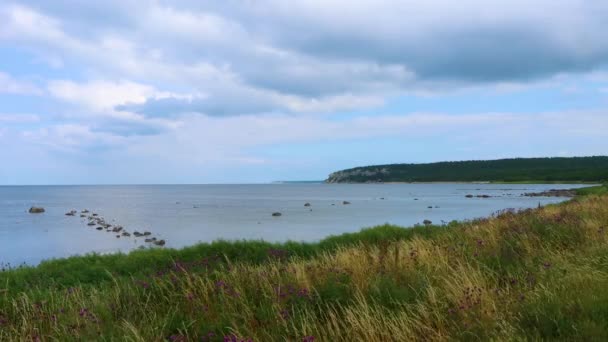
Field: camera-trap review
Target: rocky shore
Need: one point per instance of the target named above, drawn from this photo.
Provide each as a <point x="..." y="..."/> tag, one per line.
<point x="552" y="193"/>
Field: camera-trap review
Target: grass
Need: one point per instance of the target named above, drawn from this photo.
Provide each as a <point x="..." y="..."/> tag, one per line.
<point x="538" y="274"/>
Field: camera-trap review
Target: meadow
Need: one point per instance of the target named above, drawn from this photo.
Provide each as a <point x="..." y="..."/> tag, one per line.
<point x="518" y="275"/>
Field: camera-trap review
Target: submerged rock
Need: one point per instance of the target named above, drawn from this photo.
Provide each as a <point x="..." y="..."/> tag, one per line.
<point x="36" y="210"/>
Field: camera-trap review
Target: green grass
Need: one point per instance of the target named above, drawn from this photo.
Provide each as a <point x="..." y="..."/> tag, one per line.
<point x="538" y="274"/>
<point x="93" y="269"/>
<point x="593" y="190"/>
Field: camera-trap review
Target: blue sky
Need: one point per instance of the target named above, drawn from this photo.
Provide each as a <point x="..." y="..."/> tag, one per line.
<point x="185" y="91"/>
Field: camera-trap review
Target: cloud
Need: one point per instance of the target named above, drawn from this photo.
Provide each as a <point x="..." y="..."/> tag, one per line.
<point x="470" y="41"/>
<point x="9" y="85"/>
<point x="18" y="118"/>
<point x="100" y="95"/>
<point x="190" y="83"/>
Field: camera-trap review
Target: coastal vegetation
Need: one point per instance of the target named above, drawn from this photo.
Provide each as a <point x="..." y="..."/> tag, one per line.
<point x="518" y="170"/>
<point x="532" y="274"/>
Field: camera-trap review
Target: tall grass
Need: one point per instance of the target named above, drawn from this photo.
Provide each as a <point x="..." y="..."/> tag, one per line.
<point x="535" y="274"/>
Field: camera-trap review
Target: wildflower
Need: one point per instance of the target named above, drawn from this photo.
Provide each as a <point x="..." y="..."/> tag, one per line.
<point x="309" y="338"/>
<point x="303" y="293"/>
<point x="285" y="314"/>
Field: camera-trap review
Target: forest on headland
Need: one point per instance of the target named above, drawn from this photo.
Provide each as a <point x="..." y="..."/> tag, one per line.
<point x="540" y="170"/>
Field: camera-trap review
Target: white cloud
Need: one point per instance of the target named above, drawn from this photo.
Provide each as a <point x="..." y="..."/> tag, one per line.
<point x="100" y="95"/>
<point x="206" y="82"/>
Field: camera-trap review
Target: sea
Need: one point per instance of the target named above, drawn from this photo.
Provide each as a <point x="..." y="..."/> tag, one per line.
<point x="184" y="215"/>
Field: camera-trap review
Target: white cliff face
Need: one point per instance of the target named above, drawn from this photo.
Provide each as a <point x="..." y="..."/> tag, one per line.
<point x="352" y="175"/>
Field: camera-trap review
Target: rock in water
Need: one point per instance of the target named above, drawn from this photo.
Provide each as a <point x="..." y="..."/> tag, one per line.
<point x="345" y="202"/>
<point x="276" y="214"/>
<point x="307" y="204"/>
<point x="36" y="210"/>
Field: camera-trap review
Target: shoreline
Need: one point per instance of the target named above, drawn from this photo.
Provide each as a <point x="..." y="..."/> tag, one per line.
<point x="96" y="255"/>
<point x="148" y="244"/>
<point x="535" y="265"/>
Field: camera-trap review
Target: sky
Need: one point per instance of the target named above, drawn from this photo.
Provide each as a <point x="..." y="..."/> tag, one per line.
<point x="250" y="91"/>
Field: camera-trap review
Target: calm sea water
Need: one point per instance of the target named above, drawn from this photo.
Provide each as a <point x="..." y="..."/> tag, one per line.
<point x="186" y="214"/>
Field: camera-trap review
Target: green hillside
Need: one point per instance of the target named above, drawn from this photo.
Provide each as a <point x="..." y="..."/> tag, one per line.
<point x="574" y="169"/>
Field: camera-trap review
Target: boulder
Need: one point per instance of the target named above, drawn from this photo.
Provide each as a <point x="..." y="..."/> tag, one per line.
<point x="99" y="228"/>
<point x="71" y="213"/>
<point x="427" y="222"/>
<point x="160" y="242"/>
<point x="36" y="210"/>
<point x="146" y="233"/>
